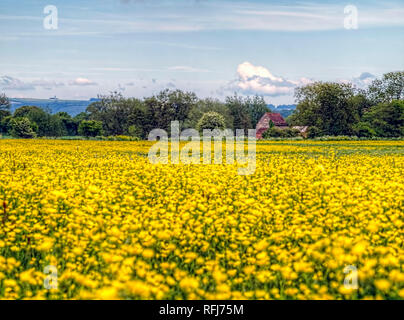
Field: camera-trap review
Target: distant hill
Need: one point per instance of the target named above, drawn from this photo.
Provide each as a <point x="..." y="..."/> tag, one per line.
<point x="72" y="107"/>
<point x="284" y="109"/>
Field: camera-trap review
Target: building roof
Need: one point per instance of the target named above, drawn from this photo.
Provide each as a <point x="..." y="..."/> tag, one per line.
<point x="276" y="118"/>
<point x="263" y="124"/>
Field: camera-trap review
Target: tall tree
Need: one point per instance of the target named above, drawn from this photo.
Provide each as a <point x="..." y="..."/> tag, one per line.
<point x="327" y="106"/>
<point x="386" y="119"/>
<point x="387" y="89"/>
<point x="208" y="105"/>
<point x="257" y="108"/>
<point x="4" y="102"/>
<point x="116" y="113"/>
<point x="69" y="125"/>
<point x="240" y="112"/>
<point x="38" y="117"/>
<point x="169" y="106"/>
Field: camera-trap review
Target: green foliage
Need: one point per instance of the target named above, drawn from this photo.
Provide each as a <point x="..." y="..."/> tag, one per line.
<point x="4" y="102"/>
<point x="274" y="132"/>
<point x="387" y="89"/>
<point x="117" y="113"/>
<point x="42" y="119"/>
<point x="364" y="129"/>
<point x="211" y="120"/>
<point x="207" y="105"/>
<point x="257" y="107"/>
<point x="81" y="116"/>
<point x="135" y="131"/>
<point x="21" y="127"/>
<point x="327" y="106"/>
<point x="90" y="128"/>
<point x="168" y="106"/>
<point x="5" y="124"/>
<point x="386" y="119"/>
<point x="69" y="126"/>
<point x="313" y="132"/>
<point x="4" y="114"/>
<point x="121" y="138"/>
<point x="240" y="112"/>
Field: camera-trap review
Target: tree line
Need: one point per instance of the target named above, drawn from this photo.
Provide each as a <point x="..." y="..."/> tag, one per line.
<point x="334" y="109"/>
<point x="327" y="108"/>
<point x="113" y="115"/>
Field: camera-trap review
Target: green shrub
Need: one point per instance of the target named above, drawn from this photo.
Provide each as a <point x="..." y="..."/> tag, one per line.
<point x="364" y="129"/>
<point x="313" y="132"/>
<point x="135" y="131"/>
<point x="90" y="128"/>
<point x="21" y="127"/>
<point x="211" y="120"/>
<point x="274" y="132"/>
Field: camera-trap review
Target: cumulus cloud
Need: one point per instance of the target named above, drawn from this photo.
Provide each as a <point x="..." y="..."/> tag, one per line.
<point x="82" y="82"/>
<point x="363" y="81"/>
<point x="259" y="80"/>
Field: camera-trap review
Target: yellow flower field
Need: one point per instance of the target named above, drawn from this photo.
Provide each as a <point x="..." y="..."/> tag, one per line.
<point x="117" y="227"/>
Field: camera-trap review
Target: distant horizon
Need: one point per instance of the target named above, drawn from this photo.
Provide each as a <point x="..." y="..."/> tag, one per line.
<point x="95" y="98"/>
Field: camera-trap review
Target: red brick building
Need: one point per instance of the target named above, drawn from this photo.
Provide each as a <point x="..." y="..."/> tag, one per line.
<point x="263" y="124"/>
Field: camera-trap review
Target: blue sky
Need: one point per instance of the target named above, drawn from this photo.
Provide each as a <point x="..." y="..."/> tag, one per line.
<point x="214" y="48"/>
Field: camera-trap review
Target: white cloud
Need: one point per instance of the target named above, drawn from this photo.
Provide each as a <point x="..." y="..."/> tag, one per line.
<point x="259" y="80"/>
<point x="82" y="82"/>
<point x="11" y="83"/>
<point x="362" y="82"/>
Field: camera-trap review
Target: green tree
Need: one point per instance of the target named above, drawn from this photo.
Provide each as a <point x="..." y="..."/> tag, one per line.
<point x="364" y="129"/>
<point x="4" y="102"/>
<point x="5" y="124"/>
<point x="68" y="125"/>
<point x="327" y="106"/>
<point x="274" y="132"/>
<point x="117" y="113"/>
<point x="387" y="89"/>
<point x="4" y="114"/>
<point x="386" y="119"/>
<point x="211" y="120"/>
<point x="257" y="108"/>
<point x="90" y="128"/>
<point x="42" y="119"/>
<point x="208" y="105"/>
<point x="313" y="132"/>
<point x="360" y="103"/>
<point x="240" y="112"/>
<point x="135" y="131"/>
<point x="168" y="106"/>
<point x="21" y="127"/>
<point x="80" y="117"/>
